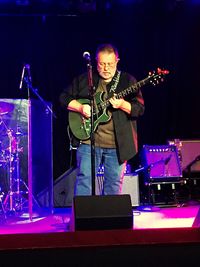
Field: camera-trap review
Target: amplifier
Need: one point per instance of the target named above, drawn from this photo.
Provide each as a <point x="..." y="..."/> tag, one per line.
<point x="131" y="186"/>
<point x="189" y="154"/>
<point x="161" y="163"/>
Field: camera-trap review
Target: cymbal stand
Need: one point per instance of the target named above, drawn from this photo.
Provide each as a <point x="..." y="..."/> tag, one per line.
<point x="1" y="192"/>
<point x="16" y="194"/>
<point x="13" y="201"/>
<point x="10" y="193"/>
<point x="2" y="207"/>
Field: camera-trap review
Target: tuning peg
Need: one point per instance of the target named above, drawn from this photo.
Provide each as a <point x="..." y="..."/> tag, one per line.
<point x="159" y="71"/>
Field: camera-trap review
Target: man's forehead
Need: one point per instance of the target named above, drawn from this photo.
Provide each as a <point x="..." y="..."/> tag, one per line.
<point x="106" y="55"/>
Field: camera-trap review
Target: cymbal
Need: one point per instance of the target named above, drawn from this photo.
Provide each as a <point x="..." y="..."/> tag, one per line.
<point x="5" y="107"/>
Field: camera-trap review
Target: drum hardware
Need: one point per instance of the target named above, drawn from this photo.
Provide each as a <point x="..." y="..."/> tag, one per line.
<point x="2" y="209"/>
<point x="14" y="200"/>
<point x="2" y="156"/>
<point x="5" y="107"/>
<point x="17" y="192"/>
<point x="14" y="196"/>
<point x="2" y="164"/>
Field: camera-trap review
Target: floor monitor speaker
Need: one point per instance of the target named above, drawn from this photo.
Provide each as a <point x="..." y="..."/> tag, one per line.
<point x="101" y="212"/>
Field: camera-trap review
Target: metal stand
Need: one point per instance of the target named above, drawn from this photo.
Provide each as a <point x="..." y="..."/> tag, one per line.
<point x="30" y="89"/>
<point x="92" y="105"/>
<point x="2" y="209"/>
<point x="148" y="207"/>
<point x="15" y="200"/>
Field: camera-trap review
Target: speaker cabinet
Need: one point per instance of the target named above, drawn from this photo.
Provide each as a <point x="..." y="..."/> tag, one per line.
<point x="63" y="188"/>
<point x="101" y="212"/>
<point x="189" y="154"/>
<point x="131" y="186"/>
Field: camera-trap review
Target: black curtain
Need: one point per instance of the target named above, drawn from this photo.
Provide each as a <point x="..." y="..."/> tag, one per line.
<point x="147" y="37"/>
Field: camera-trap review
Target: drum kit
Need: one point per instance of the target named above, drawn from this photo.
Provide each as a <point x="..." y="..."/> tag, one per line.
<point x="11" y="196"/>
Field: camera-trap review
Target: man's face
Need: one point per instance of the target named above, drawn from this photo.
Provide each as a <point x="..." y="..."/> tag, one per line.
<point x="107" y="65"/>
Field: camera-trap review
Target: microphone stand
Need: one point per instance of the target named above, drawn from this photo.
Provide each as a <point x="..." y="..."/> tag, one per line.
<point x="28" y="81"/>
<point x="92" y="139"/>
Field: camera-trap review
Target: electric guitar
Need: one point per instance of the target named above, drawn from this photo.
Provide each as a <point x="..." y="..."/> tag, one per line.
<point x="81" y="126"/>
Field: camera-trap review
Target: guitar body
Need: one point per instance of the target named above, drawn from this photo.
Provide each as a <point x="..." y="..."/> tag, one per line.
<point x="80" y="126"/>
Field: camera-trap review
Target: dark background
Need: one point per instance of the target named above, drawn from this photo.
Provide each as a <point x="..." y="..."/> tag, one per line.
<point x="51" y="36"/>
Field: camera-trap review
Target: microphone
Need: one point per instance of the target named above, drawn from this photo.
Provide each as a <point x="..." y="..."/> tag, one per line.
<point x="26" y="67"/>
<point x="22" y="78"/>
<point x="86" y="55"/>
<point x="166" y="161"/>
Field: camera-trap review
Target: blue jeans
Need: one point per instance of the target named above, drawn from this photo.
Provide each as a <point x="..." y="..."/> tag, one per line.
<point x="113" y="171"/>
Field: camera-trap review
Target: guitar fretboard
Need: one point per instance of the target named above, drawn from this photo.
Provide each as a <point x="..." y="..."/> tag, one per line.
<point x="131" y="89"/>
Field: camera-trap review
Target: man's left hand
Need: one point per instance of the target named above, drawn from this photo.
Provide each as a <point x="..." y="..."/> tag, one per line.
<point x="116" y="103"/>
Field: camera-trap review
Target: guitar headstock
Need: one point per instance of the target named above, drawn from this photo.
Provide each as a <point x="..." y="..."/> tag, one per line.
<point x="157" y="76"/>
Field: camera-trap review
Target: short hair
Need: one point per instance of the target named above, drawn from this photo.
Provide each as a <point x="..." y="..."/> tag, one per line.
<point x="107" y="48"/>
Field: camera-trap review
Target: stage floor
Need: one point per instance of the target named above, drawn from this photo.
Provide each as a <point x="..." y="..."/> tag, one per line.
<point x="49" y="241"/>
<point x="59" y="220"/>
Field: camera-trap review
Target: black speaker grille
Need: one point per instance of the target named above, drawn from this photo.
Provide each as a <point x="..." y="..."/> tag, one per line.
<point x="102" y="212"/>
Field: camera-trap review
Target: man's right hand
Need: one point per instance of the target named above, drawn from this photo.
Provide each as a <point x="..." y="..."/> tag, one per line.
<point x="86" y="111"/>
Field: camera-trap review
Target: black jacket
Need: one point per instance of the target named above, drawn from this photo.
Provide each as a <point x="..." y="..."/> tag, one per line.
<point x="124" y="124"/>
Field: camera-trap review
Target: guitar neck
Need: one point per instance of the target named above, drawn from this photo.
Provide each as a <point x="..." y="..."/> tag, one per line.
<point x="132" y="89"/>
<point x="129" y="90"/>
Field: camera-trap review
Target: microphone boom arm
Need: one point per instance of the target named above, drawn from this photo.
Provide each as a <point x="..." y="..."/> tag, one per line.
<point x="28" y="81"/>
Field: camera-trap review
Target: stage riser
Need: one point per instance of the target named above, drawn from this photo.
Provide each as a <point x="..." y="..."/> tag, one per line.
<point x="118" y="255"/>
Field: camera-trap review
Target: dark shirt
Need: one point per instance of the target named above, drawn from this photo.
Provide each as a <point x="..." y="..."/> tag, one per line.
<point x="125" y="126"/>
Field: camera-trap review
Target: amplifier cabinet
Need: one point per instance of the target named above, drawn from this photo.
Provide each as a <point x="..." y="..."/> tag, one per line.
<point x="189" y="154"/>
<point x="161" y="163"/>
<point x="131" y="186"/>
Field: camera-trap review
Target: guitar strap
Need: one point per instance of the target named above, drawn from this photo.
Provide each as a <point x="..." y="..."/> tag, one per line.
<point x="115" y="82"/>
<point x="74" y="142"/>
